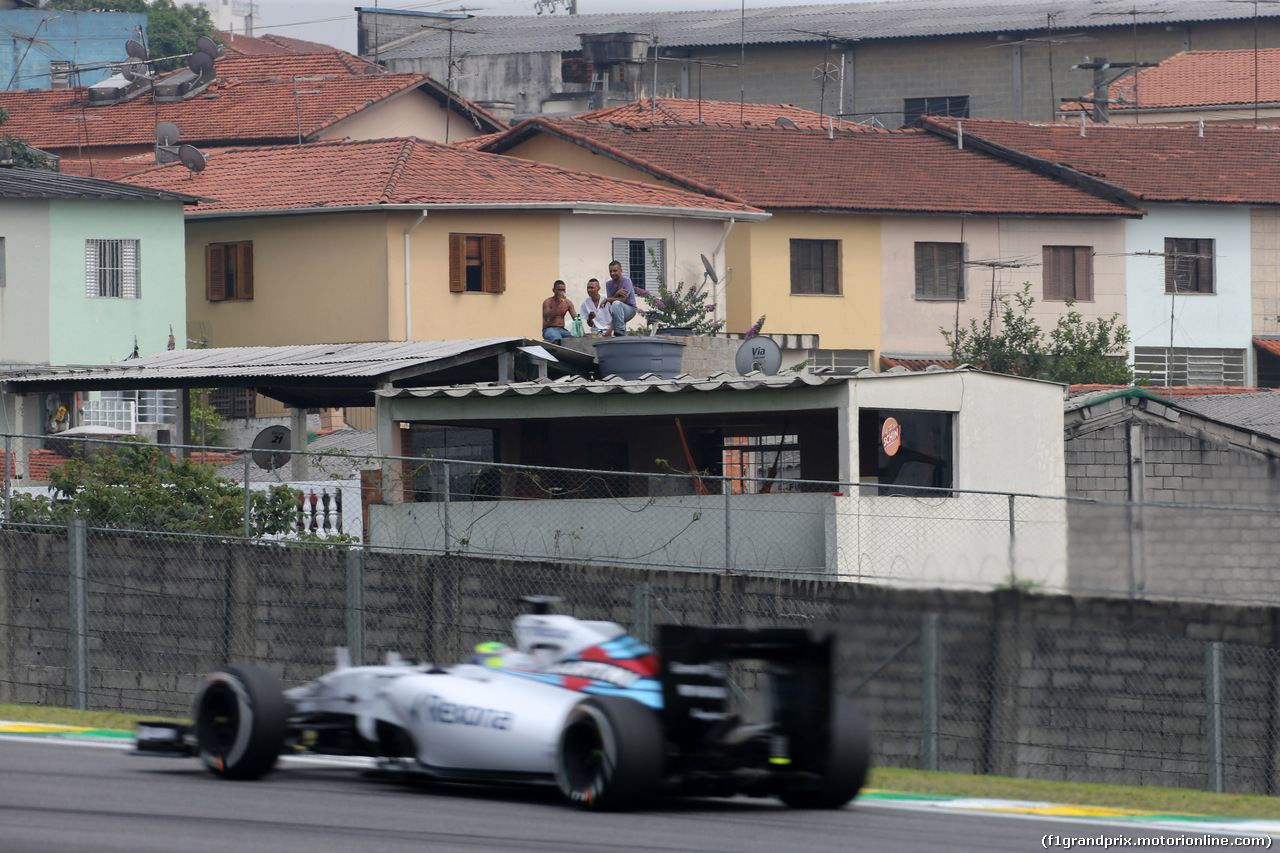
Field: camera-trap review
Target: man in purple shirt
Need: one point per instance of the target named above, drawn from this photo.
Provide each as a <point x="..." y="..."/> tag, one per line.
<point x="622" y="296"/>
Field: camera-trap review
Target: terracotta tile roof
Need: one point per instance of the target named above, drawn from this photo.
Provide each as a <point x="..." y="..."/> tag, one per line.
<point x="648" y="112"/>
<point x="1227" y="165"/>
<point x="401" y="172"/>
<point x="111" y="170"/>
<point x="275" y="45"/>
<point x="888" y="362"/>
<point x="252" y="102"/>
<point x="1269" y="345"/>
<point x="1199" y="78"/>
<point x="779" y="168"/>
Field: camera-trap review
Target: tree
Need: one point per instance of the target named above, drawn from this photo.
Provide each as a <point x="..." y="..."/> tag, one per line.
<point x="136" y="486"/>
<point x="172" y="30"/>
<point x="1077" y="351"/>
<point x="23" y="154"/>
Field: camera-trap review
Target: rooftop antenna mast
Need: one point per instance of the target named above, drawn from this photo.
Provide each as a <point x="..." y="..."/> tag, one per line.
<point x="1133" y="13"/>
<point x="1255" y="51"/>
<point x="448" y="107"/>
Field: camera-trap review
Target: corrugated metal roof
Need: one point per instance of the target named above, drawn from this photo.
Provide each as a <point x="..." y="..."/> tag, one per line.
<point x="647" y="384"/>
<point x="37" y="183"/>
<point x="276" y="363"/>
<point x="484" y="34"/>
<point x="1257" y="412"/>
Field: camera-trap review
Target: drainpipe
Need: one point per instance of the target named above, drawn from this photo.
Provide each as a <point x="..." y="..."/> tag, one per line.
<point x="408" y="313"/>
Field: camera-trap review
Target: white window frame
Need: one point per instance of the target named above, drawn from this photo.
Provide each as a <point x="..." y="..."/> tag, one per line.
<point x="622" y="248"/>
<point x="111" y="269"/>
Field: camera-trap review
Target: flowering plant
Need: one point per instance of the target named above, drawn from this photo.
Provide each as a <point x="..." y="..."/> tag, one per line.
<point x="677" y="306"/>
<point x="755" y="330"/>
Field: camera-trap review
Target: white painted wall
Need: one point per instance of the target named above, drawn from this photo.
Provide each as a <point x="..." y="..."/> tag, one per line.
<point x="1221" y="319"/>
<point x="25" y="318"/>
<point x="586" y="247"/>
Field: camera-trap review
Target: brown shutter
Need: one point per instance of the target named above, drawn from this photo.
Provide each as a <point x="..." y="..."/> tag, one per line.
<point x="797" y="267"/>
<point x="1170" y="265"/>
<point x="244" y="278"/>
<point x="830" y="266"/>
<point x="923" y="290"/>
<point x="215" y="273"/>
<point x="457" y="263"/>
<point x="1204" y="266"/>
<point x="1052" y="272"/>
<point x="1084" y="273"/>
<point x="493" y="251"/>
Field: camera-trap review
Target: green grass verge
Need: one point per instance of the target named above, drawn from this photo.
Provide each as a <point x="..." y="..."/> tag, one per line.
<point x="69" y="717"/>
<point x="1165" y="800"/>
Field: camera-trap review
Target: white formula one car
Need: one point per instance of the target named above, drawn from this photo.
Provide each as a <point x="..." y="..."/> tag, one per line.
<point x="576" y="703"/>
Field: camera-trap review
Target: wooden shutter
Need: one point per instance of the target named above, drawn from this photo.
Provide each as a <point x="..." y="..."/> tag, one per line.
<point x="1204" y="266"/>
<point x="1084" y="273"/>
<point x="457" y="263"/>
<point x="798" y="282"/>
<point x="215" y="272"/>
<point x="924" y="271"/>
<point x="830" y="267"/>
<point x="1052" y="266"/>
<point x="244" y="270"/>
<point x="493" y="252"/>
<point x="622" y="254"/>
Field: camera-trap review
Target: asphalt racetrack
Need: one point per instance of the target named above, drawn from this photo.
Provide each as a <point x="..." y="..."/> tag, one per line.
<point x="70" y="798"/>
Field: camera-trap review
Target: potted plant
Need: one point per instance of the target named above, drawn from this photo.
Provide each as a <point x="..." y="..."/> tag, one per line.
<point x="679" y="311"/>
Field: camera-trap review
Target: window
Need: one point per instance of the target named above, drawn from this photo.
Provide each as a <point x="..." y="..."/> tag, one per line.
<point x="899" y="449"/>
<point x="111" y="269"/>
<point x="477" y="263"/>
<point x="946" y="105"/>
<point x="151" y="406"/>
<point x="939" y="268"/>
<point x="1068" y="272"/>
<point x="473" y="478"/>
<point x="231" y="403"/>
<point x="1188" y="265"/>
<point x="1189" y="365"/>
<point x="59" y="73"/>
<point x="228" y="269"/>
<point x="815" y="266"/>
<point x="638" y="264"/>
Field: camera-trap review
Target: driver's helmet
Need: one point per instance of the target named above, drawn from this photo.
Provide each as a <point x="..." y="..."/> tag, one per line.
<point x="490" y="654"/>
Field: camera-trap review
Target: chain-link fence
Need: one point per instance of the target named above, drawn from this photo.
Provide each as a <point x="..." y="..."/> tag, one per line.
<point x="122" y="596"/>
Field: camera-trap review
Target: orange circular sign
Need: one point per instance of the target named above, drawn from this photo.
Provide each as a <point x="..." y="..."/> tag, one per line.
<point x="890" y="436"/>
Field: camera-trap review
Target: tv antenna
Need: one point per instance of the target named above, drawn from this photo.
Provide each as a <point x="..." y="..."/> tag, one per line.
<point x="193" y="158"/>
<point x="708" y="272"/>
<point x="271" y="448"/>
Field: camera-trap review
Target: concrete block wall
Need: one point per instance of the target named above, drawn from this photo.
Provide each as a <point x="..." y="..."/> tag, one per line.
<point x="1213" y="536"/>
<point x="1056" y="687"/>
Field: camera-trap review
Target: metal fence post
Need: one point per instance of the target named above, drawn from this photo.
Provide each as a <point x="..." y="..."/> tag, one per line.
<point x="246" y="496"/>
<point x="1013" y="562"/>
<point x="642" y="613"/>
<point x="77" y="606"/>
<point x="446" y="506"/>
<point x="8" y="462"/>
<point x="1213" y="683"/>
<point x="931" y="693"/>
<point x="355" y="605"/>
<point x="728" y="533"/>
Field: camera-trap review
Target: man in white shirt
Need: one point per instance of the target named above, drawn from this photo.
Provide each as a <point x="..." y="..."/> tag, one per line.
<point x="597" y="312"/>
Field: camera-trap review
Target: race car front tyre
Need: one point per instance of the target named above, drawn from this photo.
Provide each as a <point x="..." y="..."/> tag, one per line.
<point x="611" y="754"/>
<point x="240" y="721"/>
<point x="848" y="759"/>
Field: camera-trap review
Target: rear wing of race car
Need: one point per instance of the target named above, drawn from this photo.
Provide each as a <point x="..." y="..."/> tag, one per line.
<point x="697" y="685"/>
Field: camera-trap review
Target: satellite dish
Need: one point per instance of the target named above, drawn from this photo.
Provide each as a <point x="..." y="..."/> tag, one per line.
<point x="193" y="158"/>
<point x="201" y="63"/>
<point x="759" y="353"/>
<point x="204" y="44"/>
<point x="783" y="121"/>
<point x="133" y="70"/>
<point x="711" y="270"/>
<point x="167" y="133"/>
<point x="270" y="448"/>
<point x="136" y="50"/>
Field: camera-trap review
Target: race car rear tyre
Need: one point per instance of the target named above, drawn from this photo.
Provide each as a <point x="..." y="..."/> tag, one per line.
<point x="848" y="759"/>
<point x="240" y="721"/>
<point x="611" y="754"/>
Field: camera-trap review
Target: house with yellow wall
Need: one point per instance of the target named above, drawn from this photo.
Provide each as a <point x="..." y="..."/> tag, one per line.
<point x="877" y="238"/>
<point x="402" y="239"/>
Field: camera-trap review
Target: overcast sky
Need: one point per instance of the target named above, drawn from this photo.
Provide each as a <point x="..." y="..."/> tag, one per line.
<point x="334" y="21"/>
